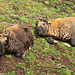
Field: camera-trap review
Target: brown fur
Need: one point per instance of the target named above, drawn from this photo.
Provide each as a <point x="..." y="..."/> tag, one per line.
<point x="19" y="40"/>
<point x="62" y="28"/>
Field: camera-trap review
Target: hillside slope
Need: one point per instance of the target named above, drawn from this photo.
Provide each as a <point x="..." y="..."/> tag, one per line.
<point x="43" y="58"/>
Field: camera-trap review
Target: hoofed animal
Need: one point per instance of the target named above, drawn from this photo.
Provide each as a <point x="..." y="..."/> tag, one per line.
<point x="16" y="39"/>
<point x="62" y="28"/>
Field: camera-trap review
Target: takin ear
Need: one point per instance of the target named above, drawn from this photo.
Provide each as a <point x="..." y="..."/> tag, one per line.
<point x="48" y="22"/>
<point x="4" y="35"/>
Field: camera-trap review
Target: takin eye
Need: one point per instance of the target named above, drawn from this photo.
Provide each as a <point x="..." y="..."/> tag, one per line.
<point x="43" y="23"/>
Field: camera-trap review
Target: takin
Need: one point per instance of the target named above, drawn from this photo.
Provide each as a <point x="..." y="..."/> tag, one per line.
<point x="61" y="28"/>
<point x="16" y="39"/>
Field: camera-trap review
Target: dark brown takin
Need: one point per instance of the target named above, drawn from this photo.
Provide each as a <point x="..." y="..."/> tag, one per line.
<point x="16" y="39"/>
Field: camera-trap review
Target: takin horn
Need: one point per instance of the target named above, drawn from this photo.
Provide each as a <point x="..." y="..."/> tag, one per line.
<point x="4" y="35"/>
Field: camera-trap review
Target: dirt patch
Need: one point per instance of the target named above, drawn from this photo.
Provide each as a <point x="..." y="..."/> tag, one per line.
<point x="8" y="64"/>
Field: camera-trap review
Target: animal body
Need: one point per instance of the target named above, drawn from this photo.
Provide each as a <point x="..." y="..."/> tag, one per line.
<point x="62" y="28"/>
<point x="18" y="40"/>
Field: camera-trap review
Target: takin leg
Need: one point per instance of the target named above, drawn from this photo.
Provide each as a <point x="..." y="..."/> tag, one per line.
<point x="23" y="55"/>
<point x="72" y="41"/>
<point x="51" y="40"/>
<point x="20" y="54"/>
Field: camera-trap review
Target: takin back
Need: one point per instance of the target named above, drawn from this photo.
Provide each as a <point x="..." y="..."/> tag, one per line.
<point x="62" y="28"/>
<point x="16" y="39"/>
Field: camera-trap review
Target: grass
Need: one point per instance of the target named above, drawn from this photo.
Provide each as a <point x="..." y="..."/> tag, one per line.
<point x="43" y="58"/>
<point x="12" y="73"/>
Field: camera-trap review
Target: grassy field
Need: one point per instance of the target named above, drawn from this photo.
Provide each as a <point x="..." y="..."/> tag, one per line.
<point x="43" y="58"/>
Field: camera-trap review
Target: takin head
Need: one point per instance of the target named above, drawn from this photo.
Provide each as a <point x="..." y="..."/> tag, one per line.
<point x="43" y="26"/>
<point x="3" y="39"/>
